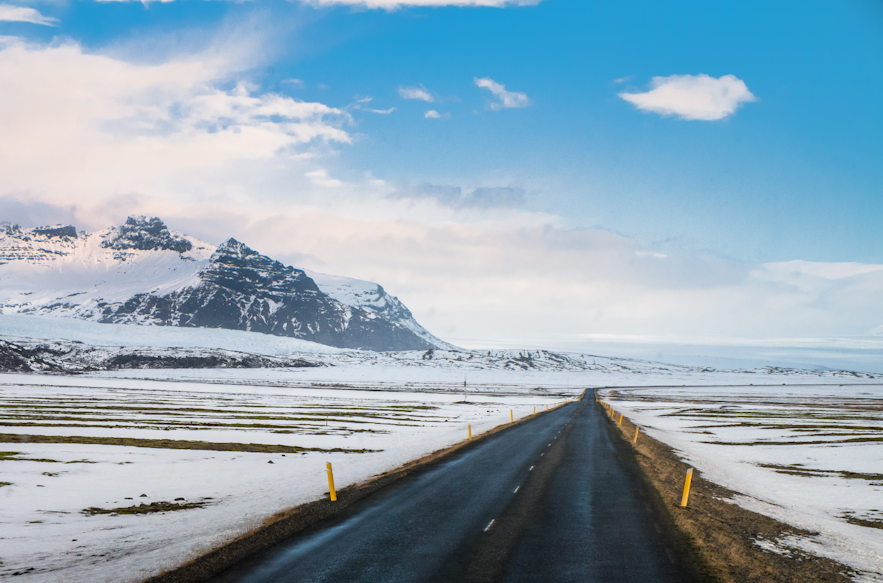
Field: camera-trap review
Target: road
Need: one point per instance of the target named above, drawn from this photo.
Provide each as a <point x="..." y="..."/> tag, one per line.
<point x="548" y="500"/>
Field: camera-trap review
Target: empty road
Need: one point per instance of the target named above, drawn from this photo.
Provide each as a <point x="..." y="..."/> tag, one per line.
<point x="548" y="500"/>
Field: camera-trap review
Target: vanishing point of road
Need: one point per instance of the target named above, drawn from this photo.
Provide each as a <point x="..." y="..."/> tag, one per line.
<point x="548" y="500"/>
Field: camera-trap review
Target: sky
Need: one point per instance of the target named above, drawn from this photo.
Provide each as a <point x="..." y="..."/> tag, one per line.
<point x="555" y="173"/>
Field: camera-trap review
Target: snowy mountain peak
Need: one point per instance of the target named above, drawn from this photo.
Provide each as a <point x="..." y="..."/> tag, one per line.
<point x="143" y="273"/>
<point x="232" y="246"/>
<point x="145" y="234"/>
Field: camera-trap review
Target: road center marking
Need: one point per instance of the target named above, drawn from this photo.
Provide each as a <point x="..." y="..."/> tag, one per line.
<point x="489" y="525"/>
<point x="516" y="489"/>
<point x="531" y="469"/>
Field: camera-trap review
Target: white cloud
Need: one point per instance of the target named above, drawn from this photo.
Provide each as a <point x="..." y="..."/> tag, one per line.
<point x="9" y="13"/>
<point x="419" y="93"/>
<point x="508" y="99"/>
<point x="456" y="197"/>
<point x="320" y="177"/>
<point x="359" y="105"/>
<point x="295" y="82"/>
<point x="76" y="122"/>
<point x="433" y="114"/>
<point x="692" y="97"/>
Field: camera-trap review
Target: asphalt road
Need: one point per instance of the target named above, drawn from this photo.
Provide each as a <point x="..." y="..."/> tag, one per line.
<point x="548" y="500"/>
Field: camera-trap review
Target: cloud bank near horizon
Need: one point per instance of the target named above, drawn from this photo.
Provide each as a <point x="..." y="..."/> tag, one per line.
<point x="517" y="282"/>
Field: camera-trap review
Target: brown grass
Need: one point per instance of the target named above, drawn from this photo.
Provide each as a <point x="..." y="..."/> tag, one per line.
<point x="151" y="508"/>
<point x="722" y="535"/>
<point x="165" y="444"/>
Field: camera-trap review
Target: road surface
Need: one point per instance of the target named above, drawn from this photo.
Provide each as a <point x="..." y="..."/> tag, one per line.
<point x="548" y="500"/>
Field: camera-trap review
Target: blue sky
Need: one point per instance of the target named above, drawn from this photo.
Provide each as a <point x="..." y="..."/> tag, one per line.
<point x="790" y="172"/>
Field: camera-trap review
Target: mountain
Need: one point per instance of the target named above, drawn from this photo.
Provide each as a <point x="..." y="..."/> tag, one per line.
<point x="143" y="273"/>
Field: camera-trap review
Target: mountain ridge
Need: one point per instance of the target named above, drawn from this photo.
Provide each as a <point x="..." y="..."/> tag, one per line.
<point x="143" y="273"/>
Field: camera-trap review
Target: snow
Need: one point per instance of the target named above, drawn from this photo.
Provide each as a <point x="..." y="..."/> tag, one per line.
<point x="80" y="273"/>
<point x="78" y="277"/>
<point x="807" y="455"/>
<point x="349" y="291"/>
<point x="20" y="326"/>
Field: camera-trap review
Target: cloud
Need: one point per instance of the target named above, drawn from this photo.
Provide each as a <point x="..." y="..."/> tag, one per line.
<point x="295" y="82"/>
<point x="692" y="97"/>
<point x="456" y="197"/>
<point x="320" y="177"/>
<point x="394" y="4"/>
<point x="510" y="282"/>
<point x="9" y="13"/>
<point x="419" y="93"/>
<point x="76" y="122"/>
<point x="508" y="99"/>
<point x="433" y="114"/>
<point x="359" y="105"/>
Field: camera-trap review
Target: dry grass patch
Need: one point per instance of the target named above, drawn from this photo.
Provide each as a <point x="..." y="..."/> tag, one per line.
<point x="168" y="444"/>
<point x="153" y="507"/>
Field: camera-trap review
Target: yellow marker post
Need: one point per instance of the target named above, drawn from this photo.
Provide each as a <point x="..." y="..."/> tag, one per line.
<point x="620" y="418"/>
<point x="635" y="440"/>
<point x="687" y="487"/>
<point x="470" y="431"/>
<point x="511" y="416"/>
<point x="547" y="407"/>
<point x="534" y="410"/>
<point x="331" y="489"/>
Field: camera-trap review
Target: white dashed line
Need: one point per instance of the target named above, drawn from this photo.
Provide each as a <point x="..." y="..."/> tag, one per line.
<point x="516" y="489"/>
<point x="531" y="469"/>
<point x="489" y="525"/>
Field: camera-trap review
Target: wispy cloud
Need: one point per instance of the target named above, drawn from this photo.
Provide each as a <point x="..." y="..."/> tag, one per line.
<point x="456" y="197"/>
<point x="320" y="178"/>
<point x="360" y="105"/>
<point x="692" y="97"/>
<point x="433" y="114"/>
<point x="507" y="99"/>
<point x="9" y="13"/>
<point x="420" y="93"/>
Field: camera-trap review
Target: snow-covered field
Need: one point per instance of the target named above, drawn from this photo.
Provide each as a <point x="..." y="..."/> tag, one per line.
<point x="76" y="447"/>
<point x="193" y="444"/>
<point x="808" y="455"/>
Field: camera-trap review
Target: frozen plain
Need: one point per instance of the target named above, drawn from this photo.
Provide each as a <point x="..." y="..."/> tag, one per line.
<point x="400" y="406"/>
